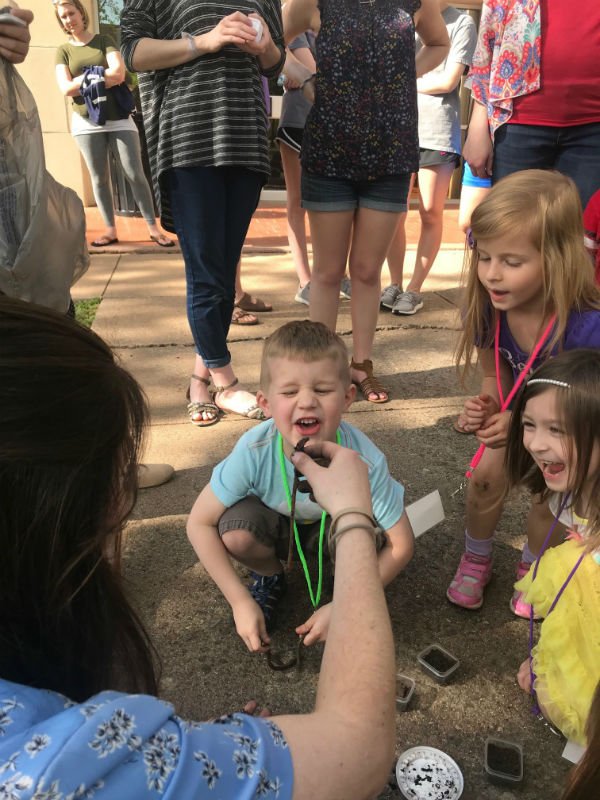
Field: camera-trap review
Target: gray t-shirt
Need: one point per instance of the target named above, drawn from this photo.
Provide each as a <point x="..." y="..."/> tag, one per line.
<point x="294" y="106"/>
<point x="439" y="114"/>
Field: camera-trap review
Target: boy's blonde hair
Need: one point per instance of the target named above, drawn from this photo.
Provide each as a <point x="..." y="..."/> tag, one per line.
<point x="545" y="206"/>
<point x="303" y="340"/>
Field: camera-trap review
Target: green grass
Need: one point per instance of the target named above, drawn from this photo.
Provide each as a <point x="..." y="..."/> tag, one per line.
<point x="85" y="310"/>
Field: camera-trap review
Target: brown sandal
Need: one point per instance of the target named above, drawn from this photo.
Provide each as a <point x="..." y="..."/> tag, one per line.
<point x="196" y="407"/>
<point x="369" y="385"/>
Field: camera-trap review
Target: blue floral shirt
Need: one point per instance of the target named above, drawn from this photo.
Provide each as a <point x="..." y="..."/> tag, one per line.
<point x="117" y="746"/>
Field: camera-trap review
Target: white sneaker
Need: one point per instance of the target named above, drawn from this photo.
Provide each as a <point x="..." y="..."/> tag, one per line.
<point x="389" y="295"/>
<point x="408" y="303"/>
<point x="150" y="475"/>
<point x="303" y="294"/>
<point x="346" y="288"/>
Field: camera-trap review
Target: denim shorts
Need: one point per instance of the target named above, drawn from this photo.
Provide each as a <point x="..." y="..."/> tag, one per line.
<point x="321" y="193"/>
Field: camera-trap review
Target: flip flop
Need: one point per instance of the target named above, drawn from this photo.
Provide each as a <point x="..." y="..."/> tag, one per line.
<point x="255" y="304"/>
<point x="162" y="240"/>
<point x="104" y="241"/>
<point x="241" y="317"/>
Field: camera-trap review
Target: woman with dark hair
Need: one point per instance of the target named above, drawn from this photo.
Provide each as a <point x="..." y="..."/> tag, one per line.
<point x="78" y="715"/>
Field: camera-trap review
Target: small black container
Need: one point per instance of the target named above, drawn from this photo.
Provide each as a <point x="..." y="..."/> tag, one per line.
<point x="503" y="761"/>
<point x="405" y="689"/>
<point x="438" y="663"/>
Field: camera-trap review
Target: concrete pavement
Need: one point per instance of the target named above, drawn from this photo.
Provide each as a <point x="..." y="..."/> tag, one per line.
<point x="206" y="669"/>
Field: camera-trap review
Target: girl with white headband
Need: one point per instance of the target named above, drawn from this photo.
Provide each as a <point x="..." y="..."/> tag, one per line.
<point x="530" y="293"/>
<point x="554" y="450"/>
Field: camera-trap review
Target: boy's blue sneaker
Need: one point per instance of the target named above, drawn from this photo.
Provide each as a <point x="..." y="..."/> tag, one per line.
<point x="268" y="590"/>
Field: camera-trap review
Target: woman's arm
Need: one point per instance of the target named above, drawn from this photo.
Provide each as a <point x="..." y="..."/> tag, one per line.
<point x="299" y="67"/>
<point x="432" y="32"/>
<point x="152" y="54"/>
<point x="478" y="150"/>
<point x="68" y="85"/>
<point x="115" y="73"/>
<point x="300" y="16"/>
<point x="346" y="746"/>
<point x="441" y="82"/>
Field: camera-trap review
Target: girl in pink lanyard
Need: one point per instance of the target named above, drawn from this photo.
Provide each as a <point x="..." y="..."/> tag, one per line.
<point x="530" y="293"/>
<point x="554" y="450"/>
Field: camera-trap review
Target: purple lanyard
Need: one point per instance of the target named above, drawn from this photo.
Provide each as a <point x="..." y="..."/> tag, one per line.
<point x="536" y="708"/>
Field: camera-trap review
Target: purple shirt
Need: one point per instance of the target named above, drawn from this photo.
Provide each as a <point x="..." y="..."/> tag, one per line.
<point x="582" y="330"/>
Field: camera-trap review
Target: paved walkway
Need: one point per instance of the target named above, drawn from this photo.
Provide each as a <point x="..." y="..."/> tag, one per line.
<point x="206" y="669"/>
<point x="267" y="230"/>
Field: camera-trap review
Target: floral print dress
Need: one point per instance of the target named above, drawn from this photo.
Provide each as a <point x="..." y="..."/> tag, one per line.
<point x="116" y="746"/>
<point x="363" y="124"/>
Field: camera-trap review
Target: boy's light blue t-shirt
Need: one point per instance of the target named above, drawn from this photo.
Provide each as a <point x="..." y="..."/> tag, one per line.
<point x="253" y="467"/>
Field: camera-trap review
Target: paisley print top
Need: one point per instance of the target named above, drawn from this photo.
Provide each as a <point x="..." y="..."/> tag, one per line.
<point x="363" y="124"/>
<point x="506" y="63"/>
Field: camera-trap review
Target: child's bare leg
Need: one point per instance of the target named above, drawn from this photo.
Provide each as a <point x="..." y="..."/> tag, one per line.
<point x="484" y="495"/>
<point x="539" y="522"/>
<point x="484" y="506"/>
<point x="524" y="676"/>
<point x="243" y="546"/>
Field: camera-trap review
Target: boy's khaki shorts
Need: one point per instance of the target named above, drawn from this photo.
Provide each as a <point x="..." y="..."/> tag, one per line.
<point x="273" y="529"/>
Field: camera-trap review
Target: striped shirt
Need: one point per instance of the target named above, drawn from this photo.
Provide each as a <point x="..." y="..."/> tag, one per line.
<point x="206" y="112"/>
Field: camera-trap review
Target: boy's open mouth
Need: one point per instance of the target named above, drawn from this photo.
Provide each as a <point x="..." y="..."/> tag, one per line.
<point x="309" y="426"/>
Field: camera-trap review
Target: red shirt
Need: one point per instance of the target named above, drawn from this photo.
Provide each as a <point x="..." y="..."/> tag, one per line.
<point x="591" y="223"/>
<point x="570" y="67"/>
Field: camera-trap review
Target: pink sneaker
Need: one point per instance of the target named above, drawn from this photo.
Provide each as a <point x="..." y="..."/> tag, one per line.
<point x="472" y="576"/>
<point x="517" y="605"/>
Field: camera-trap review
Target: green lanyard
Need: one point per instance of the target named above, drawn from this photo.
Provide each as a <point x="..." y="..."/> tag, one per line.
<point x="315" y="601"/>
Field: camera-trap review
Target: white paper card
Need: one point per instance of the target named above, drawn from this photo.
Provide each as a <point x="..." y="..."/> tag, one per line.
<point x="425" y="513"/>
<point x="573" y="751"/>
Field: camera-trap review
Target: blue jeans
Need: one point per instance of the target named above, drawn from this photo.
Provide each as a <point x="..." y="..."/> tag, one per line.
<point x="574" y="151"/>
<point x="212" y="208"/>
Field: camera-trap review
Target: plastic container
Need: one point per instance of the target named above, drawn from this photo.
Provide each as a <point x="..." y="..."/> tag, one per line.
<point x="438" y="663"/>
<point x="503" y="761"/>
<point x="405" y="689"/>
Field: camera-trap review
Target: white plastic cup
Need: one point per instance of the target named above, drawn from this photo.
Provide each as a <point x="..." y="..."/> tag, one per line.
<point x="257" y="25"/>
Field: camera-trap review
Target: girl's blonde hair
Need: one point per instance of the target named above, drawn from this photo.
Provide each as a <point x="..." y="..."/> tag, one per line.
<point x="575" y="376"/>
<point x="545" y="206"/>
<point x="76" y="4"/>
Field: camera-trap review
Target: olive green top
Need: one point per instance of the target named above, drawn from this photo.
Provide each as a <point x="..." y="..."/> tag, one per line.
<point x="92" y="54"/>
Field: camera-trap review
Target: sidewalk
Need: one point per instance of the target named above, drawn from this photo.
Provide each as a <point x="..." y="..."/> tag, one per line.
<point x="206" y="669"/>
<point x="267" y="231"/>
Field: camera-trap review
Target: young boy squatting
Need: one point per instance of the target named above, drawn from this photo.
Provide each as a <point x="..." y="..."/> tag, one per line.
<point x="243" y="513"/>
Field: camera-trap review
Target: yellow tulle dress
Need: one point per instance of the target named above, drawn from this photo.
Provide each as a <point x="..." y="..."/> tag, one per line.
<point x="566" y="658"/>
